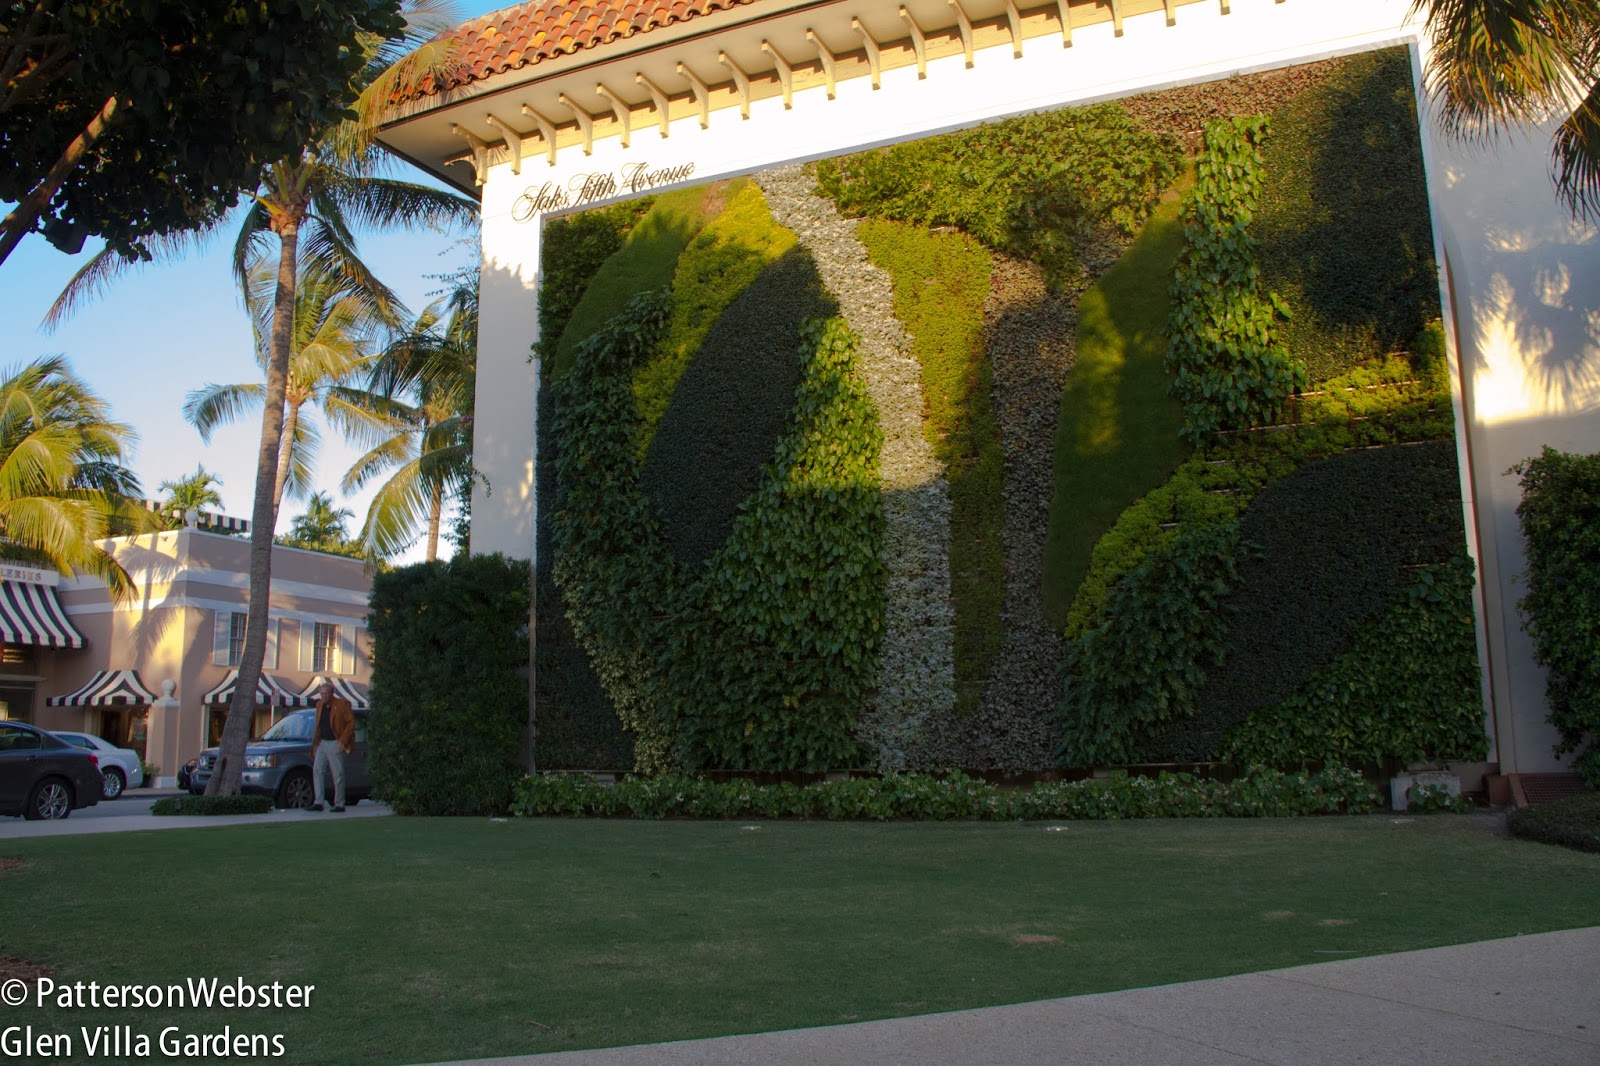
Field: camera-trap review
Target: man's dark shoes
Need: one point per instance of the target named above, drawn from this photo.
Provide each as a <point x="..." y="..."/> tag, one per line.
<point x="315" y="807"/>
<point x="338" y="810"/>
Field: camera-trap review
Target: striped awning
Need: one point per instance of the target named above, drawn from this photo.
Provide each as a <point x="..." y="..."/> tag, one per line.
<point x="354" y="692"/>
<point x="31" y="614"/>
<point x="269" y="690"/>
<point x="107" y="688"/>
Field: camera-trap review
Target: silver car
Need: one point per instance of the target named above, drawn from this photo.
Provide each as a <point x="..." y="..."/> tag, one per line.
<point x="120" y="768"/>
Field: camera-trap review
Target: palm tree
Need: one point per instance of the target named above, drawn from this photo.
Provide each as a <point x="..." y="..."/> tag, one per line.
<point x="63" y="483"/>
<point x="311" y="203"/>
<point x="322" y="524"/>
<point x="331" y="341"/>
<point x="195" y="492"/>
<point x="423" y="385"/>
<point x="1511" y="64"/>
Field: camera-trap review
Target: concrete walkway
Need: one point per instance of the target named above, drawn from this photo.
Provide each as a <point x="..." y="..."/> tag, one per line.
<point x="131" y="812"/>
<point x="1531" y="999"/>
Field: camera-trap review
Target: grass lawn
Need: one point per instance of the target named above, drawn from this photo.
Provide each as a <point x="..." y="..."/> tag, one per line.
<point x="1117" y="435"/>
<point x="436" y="939"/>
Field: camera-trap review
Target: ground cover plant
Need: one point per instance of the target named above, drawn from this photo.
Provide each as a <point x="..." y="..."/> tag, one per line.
<point x="1573" y="822"/>
<point x="940" y="283"/>
<point x="539" y="935"/>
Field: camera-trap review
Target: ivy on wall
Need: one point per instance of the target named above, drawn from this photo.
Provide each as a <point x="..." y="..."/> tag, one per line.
<point x="1406" y="687"/>
<point x="762" y="661"/>
<point x="571" y="250"/>
<point x="1228" y="368"/>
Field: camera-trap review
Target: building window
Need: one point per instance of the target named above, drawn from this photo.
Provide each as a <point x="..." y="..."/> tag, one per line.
<point x="325" y="649"/>
<point x="236" y="628"/>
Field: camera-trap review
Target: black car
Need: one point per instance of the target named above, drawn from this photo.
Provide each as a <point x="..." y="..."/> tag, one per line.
<point x="278" y="764"/>
<point x="42" y="776"/>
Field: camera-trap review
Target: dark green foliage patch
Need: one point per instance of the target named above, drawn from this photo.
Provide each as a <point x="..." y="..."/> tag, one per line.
<point x="1560" y="517"/>
<point x="731" y="407"/>
<point x="1330" y="544"/>
<point x="1573" y="822"/>
<point x="449" y="684"/>
<point x="1343" y="226"/>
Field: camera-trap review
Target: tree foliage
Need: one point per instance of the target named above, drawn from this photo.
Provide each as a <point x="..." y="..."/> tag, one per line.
<point x="192" y="98"/>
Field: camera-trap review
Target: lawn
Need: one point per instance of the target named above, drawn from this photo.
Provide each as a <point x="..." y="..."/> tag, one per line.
<point x="437" y="939"/>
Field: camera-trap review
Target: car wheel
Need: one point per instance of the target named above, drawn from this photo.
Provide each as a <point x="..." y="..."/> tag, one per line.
<point x="295" y="794"/>
<point x="112" y="783"/>
<point x="50" y="798"/>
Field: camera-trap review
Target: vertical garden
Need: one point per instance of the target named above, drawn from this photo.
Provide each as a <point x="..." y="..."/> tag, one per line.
<point x="1108" y="436"/>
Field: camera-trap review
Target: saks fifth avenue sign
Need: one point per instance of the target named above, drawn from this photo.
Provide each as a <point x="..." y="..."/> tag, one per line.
<point x="583" y="189"/>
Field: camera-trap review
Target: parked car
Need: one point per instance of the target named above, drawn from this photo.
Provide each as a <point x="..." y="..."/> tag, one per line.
<point x="42" y="776"/>
<point x="120" y="768"/>
<point x="184" y="771"/>
<point x="278" y="764"/>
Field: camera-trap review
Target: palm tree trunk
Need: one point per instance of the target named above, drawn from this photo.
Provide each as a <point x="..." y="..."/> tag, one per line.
<point x="291" y="422"/>
<point x="19" y="223"/>
<point x="263" y="519"/>
<point x="435" y="513"/>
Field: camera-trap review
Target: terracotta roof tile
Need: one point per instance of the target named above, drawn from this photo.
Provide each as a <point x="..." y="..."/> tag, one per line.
<point x="544" y="29"/>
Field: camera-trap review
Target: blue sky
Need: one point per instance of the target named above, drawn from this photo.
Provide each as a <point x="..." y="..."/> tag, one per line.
<point x="164" y="330"/>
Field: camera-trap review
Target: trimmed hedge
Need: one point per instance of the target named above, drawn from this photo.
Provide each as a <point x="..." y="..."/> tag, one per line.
<point x="1344" y="232"/>
<point x="761" y="661"/>
<point x="1573" y="822"/>
<point x="1038" y="186"/>
<point x="1560" y="518"/>
<point x="941" y="281"/>
<point x="1260" y="794"/>
<point x="717" y="266"/>
<point x="731" y="407"/>
<point x="210" y="805"/>
<point x="1405" y="688"/>
<point x="449" y="684"/>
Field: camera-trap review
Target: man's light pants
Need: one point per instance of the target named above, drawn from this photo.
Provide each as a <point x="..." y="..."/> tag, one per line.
<point x="329" y="759"/>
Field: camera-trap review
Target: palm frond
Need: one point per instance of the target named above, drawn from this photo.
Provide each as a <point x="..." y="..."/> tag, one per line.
<point x="1575" y="157"/>
<point x="210" y="406"/>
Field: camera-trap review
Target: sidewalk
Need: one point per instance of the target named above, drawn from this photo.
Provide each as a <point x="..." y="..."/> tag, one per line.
<point x="1529" y="999"/>
<point x="132" y="813"/>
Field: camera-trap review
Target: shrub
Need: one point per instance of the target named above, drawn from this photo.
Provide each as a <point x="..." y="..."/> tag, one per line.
<point x="941" y="281"/>
<point x="1560" y="517"/>
<point x="1137" y="674"/>
<point x="571" y="250"/>
<point x="1262" y="793"/>
<point x="731" y="407"/>
<point x="1228" y="368"/>
<point x="209" y="805"/>
<point x="449" y="684"/>
<point x="1573" y="822"/>
<point x="1038" y="186"/>
<point x="1406" y="688"/>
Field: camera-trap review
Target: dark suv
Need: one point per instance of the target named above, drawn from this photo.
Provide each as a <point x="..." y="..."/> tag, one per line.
<point x="278" y="764"/>
<point x="42" y="776"/>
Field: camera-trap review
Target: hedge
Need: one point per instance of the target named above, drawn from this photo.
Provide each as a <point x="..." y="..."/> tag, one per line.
<point x="1038" y="186"/>
<point x="731" y="407"/>
<point x="1260" y="794"/>
<point x="449" y="684"/>
<point x="1573" y="822"/>
<point x="571" y="250"/>
<point x="1560" y="518"/>
<point x="212" y="805"/>
<point x="941" y="281"/>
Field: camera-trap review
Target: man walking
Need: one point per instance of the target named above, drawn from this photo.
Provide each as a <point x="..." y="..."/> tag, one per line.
<point x="334" y="737"/>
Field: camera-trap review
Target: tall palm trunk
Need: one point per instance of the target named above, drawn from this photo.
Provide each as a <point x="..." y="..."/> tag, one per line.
<point x="291" y="422"/>
<point x="435" y="513"/>
<point x="264" y="518"/>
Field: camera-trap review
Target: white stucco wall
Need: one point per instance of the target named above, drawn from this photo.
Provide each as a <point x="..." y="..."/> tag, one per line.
<point x="1523" y="288"/>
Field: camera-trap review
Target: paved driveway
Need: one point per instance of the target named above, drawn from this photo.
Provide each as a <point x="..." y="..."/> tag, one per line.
<point x="132" y="812"/>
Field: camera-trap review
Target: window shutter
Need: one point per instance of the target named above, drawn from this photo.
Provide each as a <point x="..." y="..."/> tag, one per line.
<point x="347" y="650"/>
<point x="271" y="660"/>
<point x="308" y="632"/>
<point x="363" y="651"/>
<point x="221" y="632"/>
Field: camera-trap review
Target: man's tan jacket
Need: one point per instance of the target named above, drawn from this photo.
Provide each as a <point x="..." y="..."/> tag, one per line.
<point x="342" y="721"/>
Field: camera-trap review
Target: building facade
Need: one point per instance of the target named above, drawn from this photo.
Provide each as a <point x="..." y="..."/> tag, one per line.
<point x="155" y="672"/>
